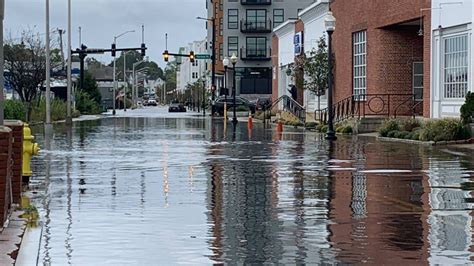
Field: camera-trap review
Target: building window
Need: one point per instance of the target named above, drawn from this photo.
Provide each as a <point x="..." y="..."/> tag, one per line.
<point x="233" y="18"/>
<point x="195" y="75"/>
<point x="233" y="46"/>
<point x="221" y="51"/>
<point x="456" y="67"/>
<point x="221" y="25"/>
<point x="359" y="62"/>
<point x="195" y="63"/>
<point x="256" y="18"/>
<point x="256" y="47"/>
<point x="278" y="17"/>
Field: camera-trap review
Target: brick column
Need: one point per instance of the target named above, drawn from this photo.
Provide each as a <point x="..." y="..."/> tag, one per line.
<point x="17" y="156"/>
<point x="5" y="172"/>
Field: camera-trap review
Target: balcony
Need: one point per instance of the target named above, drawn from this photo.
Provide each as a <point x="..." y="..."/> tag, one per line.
<point x="255" y="27"/>
<point x="255" y="54"/>
<point x="256" y="2"/>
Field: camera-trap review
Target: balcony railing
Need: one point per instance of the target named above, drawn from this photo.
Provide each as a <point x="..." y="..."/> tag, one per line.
<point x="256" y="54"/>
<point x="256" y="2"/>
<point x="247" y="26"/>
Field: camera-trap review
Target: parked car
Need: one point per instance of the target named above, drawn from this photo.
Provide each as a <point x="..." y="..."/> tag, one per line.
<point x="176" y="107"/>
<point x="218" y="104"/>
<point x="152" y="102"/>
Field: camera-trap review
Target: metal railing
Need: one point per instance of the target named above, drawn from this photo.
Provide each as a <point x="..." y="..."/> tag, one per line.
<point x="256" y="54"/>
<point x="247" y="26"/>
<point x="374" y="105"/>
<point x="289" y="105"/>
<point x="256" y="2"/>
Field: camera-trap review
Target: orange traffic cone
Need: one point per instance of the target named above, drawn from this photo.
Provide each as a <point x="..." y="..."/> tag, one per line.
<point x="250" y="123"/>
<point x="279" y="126"/>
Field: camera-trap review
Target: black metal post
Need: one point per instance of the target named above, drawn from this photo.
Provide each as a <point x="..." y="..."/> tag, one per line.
<point x="213" y="58"/>
<point x="225" y="90"/>
<point x="234" y="120"/>
<point x="204" y="97"/>
<point x="331" y="135"/>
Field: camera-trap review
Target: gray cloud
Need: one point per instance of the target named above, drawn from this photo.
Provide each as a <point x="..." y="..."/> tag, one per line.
<point x="102" y="19"/>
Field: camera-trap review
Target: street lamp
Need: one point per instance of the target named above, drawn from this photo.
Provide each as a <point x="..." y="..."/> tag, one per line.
<point x="115" y="81"/>
<point x="213" y="67"/>
<point x="134" y="91"/>
<point x="330" y="24"/>
<point x="226" y="63"/>
<point x="233" y="60"/>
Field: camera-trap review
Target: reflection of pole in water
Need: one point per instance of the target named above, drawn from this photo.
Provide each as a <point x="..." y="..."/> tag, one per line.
<point x="191" y="178"/>
<point x="234" y="132"/>
<point x="47" y="198"/>
<point x="142" y="192"/>
<point x="69" y="210"/>
<point x="165" y="184"/>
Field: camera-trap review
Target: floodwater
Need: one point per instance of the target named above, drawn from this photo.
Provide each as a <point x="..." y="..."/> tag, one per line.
<point x="163" y="189"/>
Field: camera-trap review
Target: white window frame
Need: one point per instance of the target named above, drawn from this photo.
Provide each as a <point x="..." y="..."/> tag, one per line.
<point x="457" y="94"/>
<point x="419" y="75"/>
<point x="359" y="63"/>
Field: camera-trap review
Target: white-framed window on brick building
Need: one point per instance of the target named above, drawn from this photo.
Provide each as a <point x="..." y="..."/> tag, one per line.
<point x="359" y="63"/>
<point x="456" y="66"/>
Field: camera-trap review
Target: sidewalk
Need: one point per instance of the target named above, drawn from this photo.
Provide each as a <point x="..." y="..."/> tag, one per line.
<point x="11" y="238"/>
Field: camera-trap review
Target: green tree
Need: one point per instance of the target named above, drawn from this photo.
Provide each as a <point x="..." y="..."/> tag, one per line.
<point x="91" y="88"/>
<point x="154" y="71"/>
<point x="316" y="69"/>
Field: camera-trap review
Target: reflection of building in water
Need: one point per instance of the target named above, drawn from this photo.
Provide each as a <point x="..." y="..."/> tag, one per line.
<point x="450" y="220"/>
<point x="377" y="217"/>
<point x="268" y="203"/>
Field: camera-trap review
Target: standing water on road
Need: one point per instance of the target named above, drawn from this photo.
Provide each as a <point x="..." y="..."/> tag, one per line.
<point x="159" y="189"/>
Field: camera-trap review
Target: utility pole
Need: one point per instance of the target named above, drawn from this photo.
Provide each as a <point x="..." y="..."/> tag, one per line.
<point x="125" y="81"/>
<point x="48" y="68"/>
<point x="69" y="66"/>
<point x="80" y="36"/>
<point x="2" y="97"/>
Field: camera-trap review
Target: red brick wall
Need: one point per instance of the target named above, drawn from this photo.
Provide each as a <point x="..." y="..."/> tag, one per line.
<point x="276" y="68"/>
<point x="17" y="156"/>
<point x="391" y="49"/>
<point x="5" y="172"/>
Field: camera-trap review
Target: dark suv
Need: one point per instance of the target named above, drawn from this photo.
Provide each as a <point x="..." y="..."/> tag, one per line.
<point x="218" y="105"/>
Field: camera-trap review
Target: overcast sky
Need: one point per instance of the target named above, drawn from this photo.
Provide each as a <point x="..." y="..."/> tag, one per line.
<point x="101" y="20"/>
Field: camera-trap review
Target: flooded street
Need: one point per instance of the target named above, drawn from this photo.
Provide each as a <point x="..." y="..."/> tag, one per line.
<point x="154" y="188"/>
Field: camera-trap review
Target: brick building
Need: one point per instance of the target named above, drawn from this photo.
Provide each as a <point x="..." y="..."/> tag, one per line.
<point x="383" y="47"/>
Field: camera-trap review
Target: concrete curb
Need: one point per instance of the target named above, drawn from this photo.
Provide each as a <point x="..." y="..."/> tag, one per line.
<point x="11" y="239"/>
<point x="426" y="143"/>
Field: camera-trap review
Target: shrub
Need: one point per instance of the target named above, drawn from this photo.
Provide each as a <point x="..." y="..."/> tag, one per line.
<point x="58" y="110"/>
<point x="388" y="126"/>
<point x="410" y="124"/>
<point x="347" y="130"/>
<point x="310" y="125"/>
<point x="86" y="104"/>
<point x="339" y="129"/>
<point x="324" y="129"/>
<point x="467" y="110"/>
<point x="15" y="110"/>
<point x="444" y="130"/>
<point x="242" y="108"/>
<point x="392" y="134"/>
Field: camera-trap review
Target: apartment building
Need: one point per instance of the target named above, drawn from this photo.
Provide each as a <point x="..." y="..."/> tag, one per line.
<point x="188" y="72"/>
<point x="244" y="27"/>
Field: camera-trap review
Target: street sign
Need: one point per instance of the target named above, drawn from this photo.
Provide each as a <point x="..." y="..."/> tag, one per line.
<point x="202" y="56"/>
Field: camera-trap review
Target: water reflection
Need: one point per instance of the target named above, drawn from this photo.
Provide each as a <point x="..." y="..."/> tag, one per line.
<point x="139" y="190"/>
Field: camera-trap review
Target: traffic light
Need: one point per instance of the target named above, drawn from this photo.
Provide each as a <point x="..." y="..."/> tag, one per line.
<point x="113" y="49"/>
<point x="191" y="57"/>
<point x="166" y="56"/>
<point x="143" y="50"/>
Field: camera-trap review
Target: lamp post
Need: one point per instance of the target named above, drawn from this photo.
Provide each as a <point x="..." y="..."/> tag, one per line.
<point x="134" y="91"/>
<point x="48" y="68"/>
<point x="69" y="66"/>
<point x="213" y="67"/>
<point x="115" y="80"/>
<point x="330" y="24"/>
<point x="233" y="60"/>
<point x="226" y="63"/>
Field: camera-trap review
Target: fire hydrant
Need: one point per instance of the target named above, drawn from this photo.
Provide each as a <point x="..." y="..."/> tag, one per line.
<point x="29" y="149"/>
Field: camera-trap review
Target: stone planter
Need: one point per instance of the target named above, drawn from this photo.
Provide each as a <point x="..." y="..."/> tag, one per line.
<point x="239" y="114"/>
